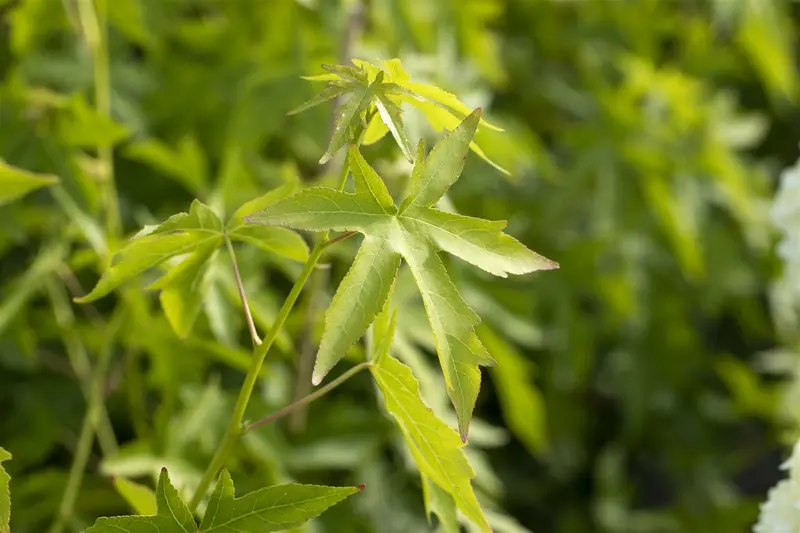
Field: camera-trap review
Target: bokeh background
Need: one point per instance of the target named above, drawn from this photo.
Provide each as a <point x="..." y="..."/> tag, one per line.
<point x="646" y="386"/>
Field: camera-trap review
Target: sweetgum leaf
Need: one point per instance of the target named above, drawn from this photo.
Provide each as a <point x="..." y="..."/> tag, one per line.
<point x="16" y="182"/>
<point x="416" y="232"/>
<point x="269" y="509"/>
<point x="440" y="503"/>
<point x="5" y="494"/>
<point x="435" y="447"/>
<point x="172" y="517"/>
<point x="142" y="499"/>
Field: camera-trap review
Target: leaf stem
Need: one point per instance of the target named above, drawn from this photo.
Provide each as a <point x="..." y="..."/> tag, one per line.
<point x="240" y="286"/>
<point x="319" y="393"/>
<point x="90" y="421"/>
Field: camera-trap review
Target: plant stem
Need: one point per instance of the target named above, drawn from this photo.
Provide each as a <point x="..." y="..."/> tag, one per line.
<point x="235" y="423"/>
<point x="240" y="285"/>
<point x="93" y="15"/>
<point x="79" y="361"/>
<point x="319" y="393"/>
<point x="90" y="420"/>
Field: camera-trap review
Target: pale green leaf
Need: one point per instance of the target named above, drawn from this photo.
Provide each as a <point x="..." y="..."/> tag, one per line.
<point x="81" y="126"/>
<point x="435" y="447"/>
<point x="442" y="504"/>
<point x="392" y="115"/>
<point x="355" y="75"/>
<point x="269" y="509"/>
<point x="477" y="241"/>
<point x="368" y="182"/>
<point x="141" y="498"/>
<point x="322" y="209"/>
<point x="172" y="517"/>
<point x="383" y="330"/>
<point x="280" y="241"/>
<point x="357" y="301"/>
<point x="376" y="130"/>
<point x="520" y="400"/>
<point x="200" y="217"/>
<point x="16" y="182"/>
<point x="432" y="177"/>
<point x="5" y="494"/>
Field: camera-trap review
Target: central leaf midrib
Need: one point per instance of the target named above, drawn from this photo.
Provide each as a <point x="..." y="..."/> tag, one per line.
<point x="263" y="510"/>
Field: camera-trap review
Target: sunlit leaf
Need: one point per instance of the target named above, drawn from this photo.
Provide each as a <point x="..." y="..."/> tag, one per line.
<point x="416" y="232"/>
<point x="141" y="498"/>
<point x="436" y="448"/>
<point x="440" y="503"/>
<point x="269" y="509"/>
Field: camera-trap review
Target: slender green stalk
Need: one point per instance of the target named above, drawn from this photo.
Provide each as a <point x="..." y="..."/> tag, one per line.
<point x="319" y="393"/>
<point x="240" y="285"/>
<point x="234" y="426"/>
<point x="90" y="421"/>
<point x="93" y="15"/>
<point x="79" y="360"/>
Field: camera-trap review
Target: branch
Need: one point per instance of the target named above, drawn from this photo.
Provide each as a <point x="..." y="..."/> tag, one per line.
<point x="240" y="285"/>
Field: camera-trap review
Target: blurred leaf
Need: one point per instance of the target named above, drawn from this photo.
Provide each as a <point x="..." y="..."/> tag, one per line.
<point x="269" y="509"/>
<point x="82" y="126"/>
<point x="16" y="182"/>
<point x="141" y="498"/>
<point x="436" y="448"/>
<point x="522" y="404"/>
<point x="186" y="163"/>
<point x="441" y="504"/>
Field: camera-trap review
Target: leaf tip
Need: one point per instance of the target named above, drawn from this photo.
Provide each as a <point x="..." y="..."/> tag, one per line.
<point x="163" y="469"/>
<point x="361" y="487"/>
<point x="316" y="379"/>
<point x="464" y="434"/>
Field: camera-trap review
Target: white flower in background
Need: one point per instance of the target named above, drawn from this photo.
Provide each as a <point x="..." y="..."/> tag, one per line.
<point x="785" y="293"/>
<point x="781" y="512"/>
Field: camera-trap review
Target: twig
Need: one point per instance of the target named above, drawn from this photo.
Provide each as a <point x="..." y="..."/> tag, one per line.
<point x="319" y="393"/>
<point x="240" y="285"/>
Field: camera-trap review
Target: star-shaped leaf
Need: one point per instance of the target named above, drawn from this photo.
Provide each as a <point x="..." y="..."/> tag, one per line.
<point x="261" y="511"/>
<point x="415" y="231"/>
<point x="191" y="240"/>
<point x="268" y="509"/>
<point x="376" y="93"/>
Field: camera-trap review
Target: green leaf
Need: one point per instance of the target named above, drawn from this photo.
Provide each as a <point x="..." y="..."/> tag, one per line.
<point x="435" y="447"/>
<point x="520" y="401"/>
<point x="280" y="241"/>
<point x="184" y="233"/>
<point x="269" y="509"/>
<point x="440" y="503"/>
<point x="329" y="93"/>
<point x="81" y="126"/>
<point x="360" y="297"/>
<point x="5" y="494"/>
<point x="392" y="115"/>
<point x="257" y="204"/>
<point x="417" y="232"/>
<point x="172" y="517"/>
<point x="141" y="498"/>
<point x="16" y="182"/>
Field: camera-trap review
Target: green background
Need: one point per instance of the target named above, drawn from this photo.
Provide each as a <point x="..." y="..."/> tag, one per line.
<point x="644" y="140"/>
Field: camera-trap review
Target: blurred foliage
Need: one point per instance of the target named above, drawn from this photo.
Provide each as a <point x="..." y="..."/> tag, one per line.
<point x="643" y="139"/>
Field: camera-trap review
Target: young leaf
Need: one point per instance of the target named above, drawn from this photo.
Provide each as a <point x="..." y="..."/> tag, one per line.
<point x="5" y="494"/>
<point x="389" y="87"/>
<point x="436" y="448"/>
<point x="416" y="232"/>
<point x="172" y="517"/>
<point x="16" y="182"/>
<point x="142" y="499"/>
<point x="269" y="509"/>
